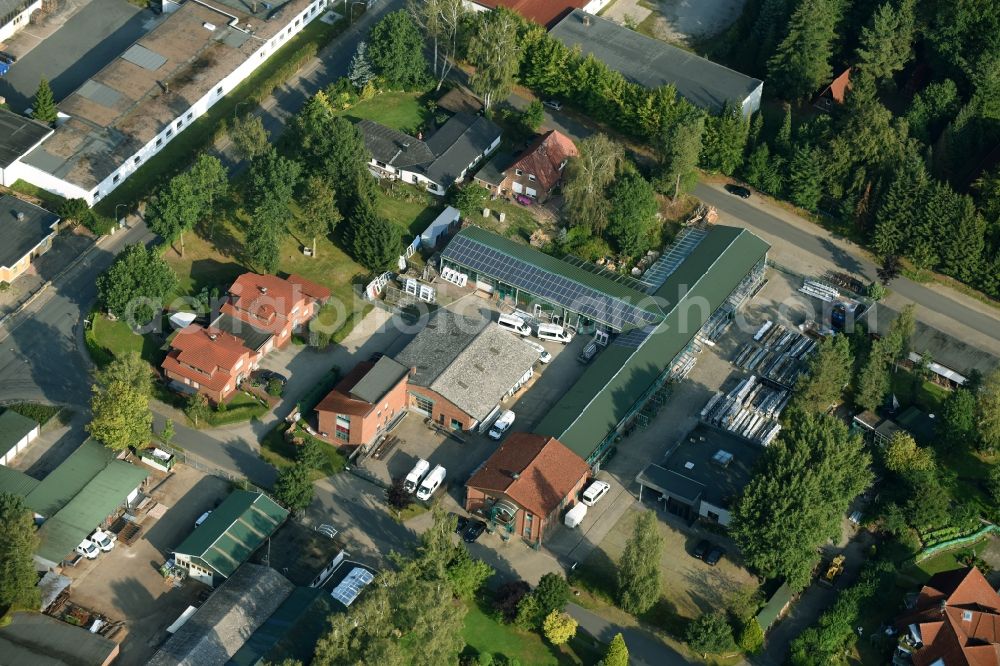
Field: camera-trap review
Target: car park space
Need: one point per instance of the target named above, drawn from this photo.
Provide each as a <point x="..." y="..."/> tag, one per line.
<point x="124" y="583"/>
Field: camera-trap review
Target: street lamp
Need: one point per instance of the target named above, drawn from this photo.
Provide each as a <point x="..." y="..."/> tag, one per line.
<point x="350" y="14"/>
<point x="121" y="221"/>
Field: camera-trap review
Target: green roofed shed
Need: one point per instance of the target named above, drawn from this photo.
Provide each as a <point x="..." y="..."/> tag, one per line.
<point x="14" y="429"/>
<point x="234" y="530"/>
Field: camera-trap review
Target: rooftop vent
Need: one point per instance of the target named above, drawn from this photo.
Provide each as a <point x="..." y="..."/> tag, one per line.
<point x="586" y="19"/>
<point x="263" y="290"/>
<point x="722" y="458"/>
<point x="213" y="336"/>
<point x="20" y="216"/>
<point x="689" y="465"/>
<point x="967" y="616"/>
<point x="515" y="475"/>
<point x="208" y="26"/>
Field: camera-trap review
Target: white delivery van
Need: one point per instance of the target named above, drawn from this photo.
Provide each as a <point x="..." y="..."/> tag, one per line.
<point x="575" y="515"/>
<point x="416" y="475"/>
<point x="514" y="323"/>
<point x="431" y="483"/>
<point x="501" y="425"/>
<point x="543" y="355"/>
<point x="595" y="491"/>
<point x="554" y="332"/>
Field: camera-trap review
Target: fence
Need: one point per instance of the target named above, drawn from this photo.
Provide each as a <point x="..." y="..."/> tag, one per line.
<point x="191" y="461"/>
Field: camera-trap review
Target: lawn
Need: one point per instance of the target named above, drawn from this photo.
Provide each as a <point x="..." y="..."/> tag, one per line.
<point x="404" y="111"/>
<point x="910" y="390"/>
<point x="240" y="408"/>
<point x="409" y="209"/>
<point x="279" y="452"/>
<point x="485" y="634"/>
<point x="107" y="340"/>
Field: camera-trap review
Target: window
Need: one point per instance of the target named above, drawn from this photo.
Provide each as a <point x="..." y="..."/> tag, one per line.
<point x="159" y="142"/>
<point x="170" y="133"/>
<point x="713" y="516"/>
<point x="529" y="521"/>
<point x="531" y="177"/>
<point x="218" y="91"/>
<point x="298" y="21"/>
<point x="423" y="404"/>
<point x="116" y="178"/>
<point x="180" y="124"/>
<point x="136" y="160"/>
<point x="456" y="424"/>
<point x="190" y="116"/>
<point x="518" y="172"/>
<point x="343" y="434"/>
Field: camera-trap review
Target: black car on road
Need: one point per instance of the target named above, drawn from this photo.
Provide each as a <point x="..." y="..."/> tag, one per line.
<point x="461" y="522"/>
<point x="738" y="190"/>
<point x="474" y="530"/>
<point x="714" y="555"/>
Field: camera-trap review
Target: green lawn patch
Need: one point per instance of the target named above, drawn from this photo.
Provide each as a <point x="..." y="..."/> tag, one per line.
<point x="35" y="411"/>
<point x="944" y="561"/>
<point x="279" y="452"/>
<point x="240" y="408"/>
<point x="404" y="111"/>
<point x="485" y="634"/>
<point x="911" y="390"/>
<point x="179" y="153"/>
<point x="107" y="340"/>
<point x="409" y="209"/>
<point x="52" y="202"/>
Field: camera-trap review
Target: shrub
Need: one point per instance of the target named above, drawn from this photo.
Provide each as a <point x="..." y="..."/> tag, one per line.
<point x="507" y="598"/>
<point x="275" y="387"/>
<point x="751" y="638"/>
<point x="396" y="495"/>
<point x="559" y="627"/>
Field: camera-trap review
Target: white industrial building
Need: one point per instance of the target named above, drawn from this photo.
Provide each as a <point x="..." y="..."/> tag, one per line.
<point x="15" y="15"/>
<point x="126" y="113"/>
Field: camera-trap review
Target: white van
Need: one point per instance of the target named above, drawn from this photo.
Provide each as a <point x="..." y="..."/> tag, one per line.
<point x="514" y="323"/>
<point x="431" y="483"/>
<point x="554" y="332"/>
<point x="543" y="355"/>
<point x="594" y="492"/>
<point x="416" y="475"/>
<point x="501" y="425"/>
<point x="575" y="515"/>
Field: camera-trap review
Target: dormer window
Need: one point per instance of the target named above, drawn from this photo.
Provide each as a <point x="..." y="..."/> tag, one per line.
<point x="518" y="172"/>
<point x="531" y="177"/>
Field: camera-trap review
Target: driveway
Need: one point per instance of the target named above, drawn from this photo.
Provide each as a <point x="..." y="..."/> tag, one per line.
<point x="644" y="649"/>
<point x="97" y="34"/>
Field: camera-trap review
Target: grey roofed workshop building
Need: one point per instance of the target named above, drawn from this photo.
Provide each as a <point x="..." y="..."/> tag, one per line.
<point x="18" y="135"/>
<point x="26" y="230"/>
<point x="654" y="63"/>
<point x="703" y="475"/>
<point x="378" y="381"/>
<point x="40" y="640"/>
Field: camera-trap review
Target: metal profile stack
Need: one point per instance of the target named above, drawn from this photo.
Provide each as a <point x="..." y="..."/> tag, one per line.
<point x="823" y="292"/>
<point x="750" y="410"/>
<point x="777" y="354"/>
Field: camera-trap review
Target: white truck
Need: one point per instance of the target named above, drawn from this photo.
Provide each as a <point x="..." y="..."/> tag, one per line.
<point x="554" y="332"/>
<point x="416" y="475"/>
<point x="575" y="515"/>
<point x="431" y="483"/>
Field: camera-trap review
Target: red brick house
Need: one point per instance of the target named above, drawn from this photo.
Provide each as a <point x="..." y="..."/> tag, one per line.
<point x="364" y="404"/>
<point x="536" y="172"/>
<point x="955" y="620"/>
<point x="268" y="308"/>
<point x="208" y="361"/>
<point x="523" y="488"/>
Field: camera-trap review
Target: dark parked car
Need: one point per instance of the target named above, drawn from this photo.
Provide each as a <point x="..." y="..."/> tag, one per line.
<point x="8" y="58"/>
<point x="703" y="547"/>
<point x="714" y="555"/>
<point x="523" y="199"/>
<point x="461" y="523"/>
<point x="738" y="190"/>
<point x="264" y="377"/>
<point x="474" y="530"/>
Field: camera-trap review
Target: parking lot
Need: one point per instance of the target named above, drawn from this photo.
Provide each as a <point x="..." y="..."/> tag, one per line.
<point x="125" y="584"/>
<point x="97" y="34"/>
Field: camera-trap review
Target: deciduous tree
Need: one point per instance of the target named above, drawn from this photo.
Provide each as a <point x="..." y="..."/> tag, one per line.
<point x="633" y="214"/>
<point x="828" y="373"/>
<point x="18" y="580"/>
<point x="957" y="427"/>
<point x="175" y="209"/>
<point x="552" y="593"/>
<point x="249" y="136"/>
<point x="988" y="411"/>
<point x="495" y="52"/>
<point x="639" y="567"/>
<point x="806" y="479"/>
<point x="397" y="51"/>
<point x="134" y="286"/>
<point x="678" y="150"/>
<point x="903" y="456"/>
<point x="120" y="404"/>
<point x="559" y="627"/>
<point x="319" y="209"/>
<point x="873" y="379"/>
<point x="709" y="633"/>
<point x="587" y="179"/>
<point x="294" y="488"/>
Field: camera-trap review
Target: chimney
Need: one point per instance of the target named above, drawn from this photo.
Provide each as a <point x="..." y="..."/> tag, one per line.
<point x="515" y="475"/>
<point x="213" y="336"/>
<point x="586" y="19"/>
<point x="20" y="216"/>
<point x="263" y="289"/>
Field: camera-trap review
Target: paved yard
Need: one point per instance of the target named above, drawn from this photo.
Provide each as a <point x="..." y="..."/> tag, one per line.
<point x="125" y="584"/>
<point x="98" y="34"/>
<point x="66" y="247"/>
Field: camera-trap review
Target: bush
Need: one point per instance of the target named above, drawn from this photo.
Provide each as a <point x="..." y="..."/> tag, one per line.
<point x="751" y="638"/>
<point x="396" y="495"/>
<point x="98" y="224"/>
<point x="35" y="411"/>
<point x="559" y="627"/>
<point x="275" y="387"/>
<point x="507" y="598"/>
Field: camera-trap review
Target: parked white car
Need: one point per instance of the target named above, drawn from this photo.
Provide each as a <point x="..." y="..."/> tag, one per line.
<point x="501" y="425"/>
<point x="103" y="540"/>
<point x="543" y="355"/>
<point x="594" y="492"/>
<point x="88" y="549"/>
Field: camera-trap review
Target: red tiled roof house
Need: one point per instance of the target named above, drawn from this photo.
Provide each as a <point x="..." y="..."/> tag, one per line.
<point x="955" y="621"/>
<point x="270" y="307"/>
<point x="207" y="360"/>
<point x="524" y="486"/>
<point x="364" y="403"/>
<point x="537" y="171"/>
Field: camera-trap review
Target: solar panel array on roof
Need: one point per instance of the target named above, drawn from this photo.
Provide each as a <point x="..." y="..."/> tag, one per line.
<point x="685" y="243"/>
<point x="634" y="338"/>
<point x="138" y="54"/>
<point x="99" y="93"/>
<point x="557" y="289"/>
<point x="349" y="588"/>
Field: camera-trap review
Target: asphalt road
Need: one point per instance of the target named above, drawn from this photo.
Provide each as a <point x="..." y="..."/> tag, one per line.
<point x="804" y="238"/>
<point x="644" y="649"/>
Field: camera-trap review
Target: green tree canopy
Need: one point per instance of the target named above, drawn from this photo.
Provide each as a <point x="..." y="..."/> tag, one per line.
<point x="559" y="627"/>
<point x="249" y="136"/>
<point x="988" y="411"/>
<point x="43" y="107"/>
<point x="18" y="580"/>
<point x="633" y="214"/>
<point x="709" y="633"/>
<point x="724" y="140"/>
<point x="397" y="51"/>
<point x="294" y="487"/>
<point x="552" y="593"/>
<point x="678" y="149"/>
<point x="120" y="404"/>
<point x="828" y="373"/>
<point x="319" y="209"/>
<point x="495" y="52"/>
<point x="639" y="567"/>
<point x="887" y="42"/>
<point x="806" y="479"/>
<point x="586" y="181"/>
<point x="957" y="427"/>
<point x="801" y="63"/>
<point x="617" y="652"/>
<point x="375" y="242"/>
<point x="134" y="285"/>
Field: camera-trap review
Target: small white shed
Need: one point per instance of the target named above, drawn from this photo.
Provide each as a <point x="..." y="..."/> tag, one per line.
<point x="16" y="432"/>
<point x="440" y="225"/>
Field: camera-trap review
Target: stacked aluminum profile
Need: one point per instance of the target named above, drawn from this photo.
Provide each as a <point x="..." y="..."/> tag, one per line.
<point x="777" y="354"/>
<point x="750" y="410"/>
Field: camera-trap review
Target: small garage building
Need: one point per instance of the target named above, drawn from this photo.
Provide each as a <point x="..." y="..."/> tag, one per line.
<point x="16" y="432"/>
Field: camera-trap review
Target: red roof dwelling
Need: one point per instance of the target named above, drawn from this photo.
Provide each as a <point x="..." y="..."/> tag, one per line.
<point x="835" y="92"/>
<point x="523" y="487"/>
<point x="273" y="304"/>
<point x="537" y="171"/>
<point x="207" y="360"/>
<point x="543" y="12"/>
<point x="260" y="315"/>
<point x="955" y="621"/>
<point x="364" y="404"/>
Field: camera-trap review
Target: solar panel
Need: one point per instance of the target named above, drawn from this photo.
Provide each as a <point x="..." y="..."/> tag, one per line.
<point x="685" y="243"/>
<point x="143" y="57"/>
<point x="557" y="289"/>
<point x="633" y="339"/>
<point x="349" y="588"/>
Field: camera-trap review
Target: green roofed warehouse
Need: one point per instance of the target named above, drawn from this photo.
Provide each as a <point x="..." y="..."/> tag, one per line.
<point x="652" y="324"/>
<point x="229" y="536"/>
